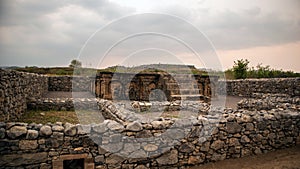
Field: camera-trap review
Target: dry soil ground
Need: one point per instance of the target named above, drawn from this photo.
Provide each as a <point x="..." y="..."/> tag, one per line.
<point x="279" y="159"/>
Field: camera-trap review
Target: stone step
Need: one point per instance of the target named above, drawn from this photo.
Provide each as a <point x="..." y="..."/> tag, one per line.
<point x="185" y="92"/>
<point x="172" y="86"/>
<point x="182" y="80"/>
<point x="182" y="75"/>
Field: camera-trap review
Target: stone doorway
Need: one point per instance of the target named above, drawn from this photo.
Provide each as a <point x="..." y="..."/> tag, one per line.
<point x="73" y="161"/>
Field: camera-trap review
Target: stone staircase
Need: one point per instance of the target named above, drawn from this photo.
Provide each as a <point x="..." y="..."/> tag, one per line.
<point x="183" y="87"/>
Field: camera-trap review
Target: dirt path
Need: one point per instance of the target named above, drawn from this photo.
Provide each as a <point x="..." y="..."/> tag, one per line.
<point x="54" y="94"/>
<point x="280" y="159"/>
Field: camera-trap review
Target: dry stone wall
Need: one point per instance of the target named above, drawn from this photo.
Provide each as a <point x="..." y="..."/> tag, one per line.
<point x="246" y="87"/>
<point x="16" y="88"/>
<point x="263" y="101"/>
<point x="238" y="133"/>
<point x="69" y="83"/>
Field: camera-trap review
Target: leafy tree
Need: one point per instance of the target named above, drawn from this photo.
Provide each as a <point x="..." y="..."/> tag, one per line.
<point x="240" y="69"/>
<point x="75" y="63"/>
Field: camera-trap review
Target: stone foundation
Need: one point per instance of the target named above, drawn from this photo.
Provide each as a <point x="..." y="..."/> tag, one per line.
<point x="238" y="133"/>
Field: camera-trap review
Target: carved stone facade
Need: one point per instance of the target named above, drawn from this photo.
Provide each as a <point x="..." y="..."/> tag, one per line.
<point x="147" y="86"/>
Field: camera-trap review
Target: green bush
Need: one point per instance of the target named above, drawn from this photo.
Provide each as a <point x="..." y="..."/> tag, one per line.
<point x="240" y="69"/>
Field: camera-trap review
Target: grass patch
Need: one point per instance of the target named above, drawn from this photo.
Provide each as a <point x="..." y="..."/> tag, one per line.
<point x="49" y="117"/>
<point x="43" y="117"/>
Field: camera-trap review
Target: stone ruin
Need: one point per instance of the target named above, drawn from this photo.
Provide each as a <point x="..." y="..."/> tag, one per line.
<point x="264" y="121"/>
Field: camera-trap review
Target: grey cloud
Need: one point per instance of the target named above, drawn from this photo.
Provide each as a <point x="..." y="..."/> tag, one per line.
<point x="36" y="30"/>
<point x="247" y="28"/>
<point x="235" y="30"/>
<point x="40" y="30"/>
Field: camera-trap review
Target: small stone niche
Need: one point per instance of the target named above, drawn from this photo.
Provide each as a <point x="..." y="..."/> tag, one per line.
<point x="74" y="164"/>
<point x="73" y="161"/>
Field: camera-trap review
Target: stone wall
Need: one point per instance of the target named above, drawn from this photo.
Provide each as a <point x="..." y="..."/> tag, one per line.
<point x="262" y="101"/>
<point x="246" y="87"/>
<point x="69" y="83"/>
<point x="238" y="133"/>
<point x="16" y="88"/>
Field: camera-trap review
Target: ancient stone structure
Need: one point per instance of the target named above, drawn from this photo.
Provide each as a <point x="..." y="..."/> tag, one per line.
<point x="266" y="121"/>
<point x="238" y="133"/>
<point x="139" y="86"/>
<point x="16" y="89"/>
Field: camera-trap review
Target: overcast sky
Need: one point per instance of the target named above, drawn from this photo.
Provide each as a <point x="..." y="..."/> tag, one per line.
<point x="52" y="33"/>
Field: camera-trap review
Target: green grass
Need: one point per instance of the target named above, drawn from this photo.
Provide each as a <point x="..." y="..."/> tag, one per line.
<point x="43" y="117"/>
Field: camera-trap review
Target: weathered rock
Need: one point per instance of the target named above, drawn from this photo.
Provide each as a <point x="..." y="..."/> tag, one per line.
<point x="138" y="154"/>
<point x="233" y="127"/>
<point x="141" y="167"/>
<point x="13" y="160"/>
<point x="218" y="144"/>
<point x="234" y="142"/>
<point x="45" y="166"/>
<point x="131" y="147"/>
<point x="218" y="157"/>
<point x="249" y="126"/>
<point x="70" y="129"/>
<point x="57" y="128"/>
<point x="150" y="147"/>
<point x="113" y="147"/>
<point x="16" y="131"/>
<point x="245" y="139"/>
<point x="115" y="138"/>
<point x="99" y="159"/>
<point x="245" y="152"/>
<point x="134" y="126"/>
<point x="114" y="159"/>
<point x="2" y="133"/>
<point x="144" y="134"/>
<point x="193" y="160"/>
<point x="186" y="148"/>
<point x="112" y="125"/>
<point x="83" y="129"/>
<point x="28" y="144"/>
<point x="32" y="134"/>
<point x="45" y="131"/>
<point x="205" y="146"/>
<point x="168" y="158"/>
<point x="157" y="124"/>
<point x="101" y="128"/>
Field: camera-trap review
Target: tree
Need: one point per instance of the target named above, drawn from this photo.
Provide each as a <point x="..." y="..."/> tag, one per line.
<point x="75" y="63"/>
<point x="240" y="69"/>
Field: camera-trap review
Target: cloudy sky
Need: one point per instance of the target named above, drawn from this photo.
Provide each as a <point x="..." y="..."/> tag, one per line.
<point x="52" y="33"/>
